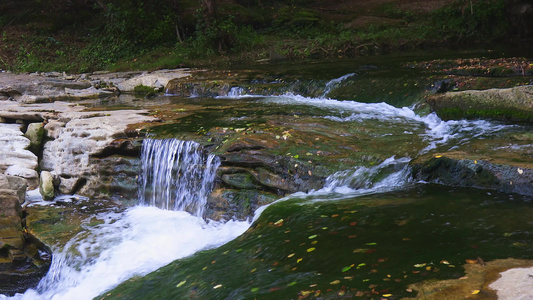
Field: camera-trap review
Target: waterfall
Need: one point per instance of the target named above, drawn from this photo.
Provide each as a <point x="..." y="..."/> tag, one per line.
<point x="334" y="83"/>
<point x="176" y="175"/>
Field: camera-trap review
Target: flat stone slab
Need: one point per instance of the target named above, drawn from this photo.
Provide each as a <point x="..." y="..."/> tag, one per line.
<point x="513" y="104"/>
<point x="14" y="155"/>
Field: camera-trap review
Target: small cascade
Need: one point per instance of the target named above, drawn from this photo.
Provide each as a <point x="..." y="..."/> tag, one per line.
<point x="335" y="83"/>
<point x="176" y="175"/>
<point x="236" y="91"/>
<point x="390" y="174"/>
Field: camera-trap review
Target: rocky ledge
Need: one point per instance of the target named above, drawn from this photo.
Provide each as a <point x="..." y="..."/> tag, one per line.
<point x="510" y="105"/>
<point x="54" y="86"/>
<point x="23" y="259"/>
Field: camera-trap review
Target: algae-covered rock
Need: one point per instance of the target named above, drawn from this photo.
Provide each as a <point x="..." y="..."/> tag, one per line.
<point x="46" y="185"/>
<point x="513" y="104"/>
<point x="35" y="133"/>
<point x="23" y="260"/>
<point x="475" y="173"/>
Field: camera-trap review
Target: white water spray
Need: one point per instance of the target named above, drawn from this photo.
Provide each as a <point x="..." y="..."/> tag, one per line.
<point x="142" y="239"/>
<point x="176" y="175"/>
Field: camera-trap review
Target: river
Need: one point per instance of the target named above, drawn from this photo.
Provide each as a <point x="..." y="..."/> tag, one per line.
<point x="370" y="231"/>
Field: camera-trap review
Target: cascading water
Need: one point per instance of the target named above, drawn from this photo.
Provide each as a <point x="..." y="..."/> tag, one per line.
<point x="176" y="175"/>
<point x="335" y="83"/>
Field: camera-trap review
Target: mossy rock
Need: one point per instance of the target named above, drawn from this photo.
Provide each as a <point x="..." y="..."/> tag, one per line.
<point x="511" y="105"/>
<point x="144" y="91"/>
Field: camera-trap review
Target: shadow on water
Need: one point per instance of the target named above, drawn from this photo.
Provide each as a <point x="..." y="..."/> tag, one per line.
<point x="366" y="246"/>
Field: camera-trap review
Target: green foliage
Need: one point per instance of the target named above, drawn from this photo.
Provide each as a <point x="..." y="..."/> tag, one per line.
<point x="295" y="18"/>
<point x="222" y="36"/>
<point x="476" y="19"/>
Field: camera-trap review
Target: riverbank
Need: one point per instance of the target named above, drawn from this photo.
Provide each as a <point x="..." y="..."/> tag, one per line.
<point x="108" y="36"/>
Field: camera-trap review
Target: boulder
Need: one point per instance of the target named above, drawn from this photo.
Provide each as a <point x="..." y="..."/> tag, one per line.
<point x="35" y="133"/>
<point x="46" y="185"/>
<point x="513" y="104"/>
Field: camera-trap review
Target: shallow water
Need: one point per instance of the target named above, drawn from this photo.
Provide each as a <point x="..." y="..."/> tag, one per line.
<point x="369" y="232"/>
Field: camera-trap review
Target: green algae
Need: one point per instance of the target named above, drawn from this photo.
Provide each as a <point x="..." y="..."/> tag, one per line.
<point x="366" y="246"/>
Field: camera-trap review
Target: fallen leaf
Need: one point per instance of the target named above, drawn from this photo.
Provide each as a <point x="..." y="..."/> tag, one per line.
<point x="420" y="265"/>
<point x="290" y="255"/>
<point x="335" y="282"/>
<point x="254" y="290"/>
<point x="475" y="292"/>
<point x="311" y="249"/>
<point x="299" y="260"/>
<point x="471" y="261"/>
<point x="346" y="269"/>
<point x="312" y="236"/>
<point x="181" y="283"/>
<point x="217" y="286"/>
<point x="279" y="222"/>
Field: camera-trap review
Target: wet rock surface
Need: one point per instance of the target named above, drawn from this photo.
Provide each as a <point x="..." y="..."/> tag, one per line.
<point x="475" y="173"/>
<point x="511" y="105"/>
<point x="23" y="259"/>
<point x="49" y="87"/>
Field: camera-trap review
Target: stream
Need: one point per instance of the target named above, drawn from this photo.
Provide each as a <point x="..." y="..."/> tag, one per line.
<point x="369" y="232"/>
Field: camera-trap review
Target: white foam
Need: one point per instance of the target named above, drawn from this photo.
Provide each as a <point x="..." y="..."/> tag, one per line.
<point x="437" y="132"/>
<point x="133" y="243"/>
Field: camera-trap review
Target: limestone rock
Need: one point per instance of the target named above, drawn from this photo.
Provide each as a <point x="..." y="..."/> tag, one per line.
<point x="13" y="147"/>
<point x="46" y="185"/>
<point x="127" y="81"/>
<point x="16" y="170"/>
<point x="35" y="133"/>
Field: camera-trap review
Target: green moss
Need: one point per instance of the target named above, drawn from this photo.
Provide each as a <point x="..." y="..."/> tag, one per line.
<point x="144" y="91"/>
<point x="512" y="115"/>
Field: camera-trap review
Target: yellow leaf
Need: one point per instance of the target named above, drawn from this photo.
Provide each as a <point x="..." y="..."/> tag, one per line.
<point x="387" y="295"/>
<point x="278" y="222"/>
<point x="311" y="249"/>
<point x="475" y="292"/>
<point x="438" y="156"/>
<point x="299" y="260"/>
<point x="290" y="255"/>
<point x="335" y="282"/>
<point x="181" y="283"/>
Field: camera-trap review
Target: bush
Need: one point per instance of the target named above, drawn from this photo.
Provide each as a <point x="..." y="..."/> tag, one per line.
<point x="471" y="20"/>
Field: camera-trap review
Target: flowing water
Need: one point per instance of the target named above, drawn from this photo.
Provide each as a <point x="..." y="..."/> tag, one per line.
<point x="176" y="175"/>
<point x="370" y="231"/>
